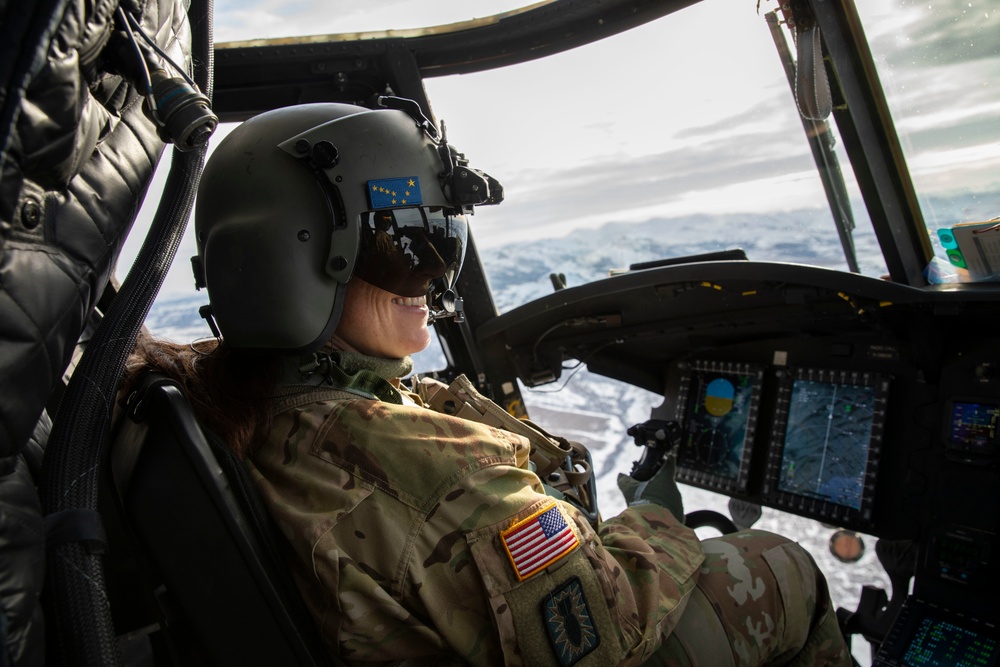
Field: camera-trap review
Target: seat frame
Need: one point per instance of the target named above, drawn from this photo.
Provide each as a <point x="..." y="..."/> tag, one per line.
<point x="211" y="555"/>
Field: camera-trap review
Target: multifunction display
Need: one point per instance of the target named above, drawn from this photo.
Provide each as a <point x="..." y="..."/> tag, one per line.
<point x="929" y="635"/>
<point x="973" y="427"/>
<point x="826" y="442"/>
<point x="718" y="412"/>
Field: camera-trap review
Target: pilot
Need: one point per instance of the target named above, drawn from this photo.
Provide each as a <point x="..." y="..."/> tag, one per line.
<point x="327" y="234"/>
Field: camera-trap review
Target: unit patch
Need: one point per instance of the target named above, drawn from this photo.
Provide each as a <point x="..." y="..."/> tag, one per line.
<point x="567" y="618"/>
<point x="536" y="542"/>
<point x="394" y="192"/>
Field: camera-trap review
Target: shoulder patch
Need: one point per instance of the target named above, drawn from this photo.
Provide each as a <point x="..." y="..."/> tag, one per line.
<point x="572" y="632"/>
<point x="536" y="542"/>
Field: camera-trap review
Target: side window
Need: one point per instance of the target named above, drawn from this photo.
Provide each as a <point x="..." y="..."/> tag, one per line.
<point x="431" y="359"/>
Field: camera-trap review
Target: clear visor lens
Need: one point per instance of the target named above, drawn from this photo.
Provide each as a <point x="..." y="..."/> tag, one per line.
<point x="411" y="251"/>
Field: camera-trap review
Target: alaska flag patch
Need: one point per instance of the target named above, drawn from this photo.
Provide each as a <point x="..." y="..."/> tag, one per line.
<point x="572" y="632"/>
<point x="536" y="542"/>
<point x="393" y="192"/>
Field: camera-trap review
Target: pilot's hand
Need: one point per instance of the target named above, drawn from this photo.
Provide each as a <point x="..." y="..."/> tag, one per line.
<point x="660" y="489"/>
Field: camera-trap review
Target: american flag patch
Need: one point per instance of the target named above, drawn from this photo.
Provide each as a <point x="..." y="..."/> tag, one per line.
<point x="538" y="541"/>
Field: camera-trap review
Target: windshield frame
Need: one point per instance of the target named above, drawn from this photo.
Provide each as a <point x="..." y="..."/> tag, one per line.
<point x="253" y="76"/>
<point x="870" y="139"/>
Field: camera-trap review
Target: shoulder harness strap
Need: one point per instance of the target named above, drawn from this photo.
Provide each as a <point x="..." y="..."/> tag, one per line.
<point x="560" y="463"/>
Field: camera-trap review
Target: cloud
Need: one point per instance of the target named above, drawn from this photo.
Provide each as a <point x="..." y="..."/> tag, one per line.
<point x="684" y="180"/>
<point x="924" y="35"/>
<point x="939" y="65"/>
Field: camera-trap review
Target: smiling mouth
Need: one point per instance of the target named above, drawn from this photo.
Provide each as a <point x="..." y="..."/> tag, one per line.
<point x="415" y="301"/>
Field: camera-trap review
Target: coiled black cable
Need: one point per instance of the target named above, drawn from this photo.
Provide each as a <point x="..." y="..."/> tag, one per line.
<point x="80" y="627"/>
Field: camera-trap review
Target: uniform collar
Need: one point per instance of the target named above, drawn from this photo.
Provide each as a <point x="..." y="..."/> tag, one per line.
<point x="369" y="377"/>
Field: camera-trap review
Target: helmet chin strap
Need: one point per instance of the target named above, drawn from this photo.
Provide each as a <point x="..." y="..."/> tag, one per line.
<point x="450" y="306"/>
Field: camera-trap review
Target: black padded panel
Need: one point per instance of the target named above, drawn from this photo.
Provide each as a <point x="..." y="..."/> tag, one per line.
<point x="212" y="544"/>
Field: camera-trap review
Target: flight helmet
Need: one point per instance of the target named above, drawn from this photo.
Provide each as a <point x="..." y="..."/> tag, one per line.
<point x="296" y="201"/>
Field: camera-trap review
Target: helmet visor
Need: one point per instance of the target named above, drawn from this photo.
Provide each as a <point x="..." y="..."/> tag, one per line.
<point x="411" y="251"/>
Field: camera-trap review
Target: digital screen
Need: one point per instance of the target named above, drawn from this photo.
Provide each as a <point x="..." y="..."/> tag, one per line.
<point x="973" y="426"/>
<point x="960" y="556"/>
<point x="827" y="438"/>
<point x="927" y="634"/>
<point x="938" y="643"/>
<point x="717" y="422"/>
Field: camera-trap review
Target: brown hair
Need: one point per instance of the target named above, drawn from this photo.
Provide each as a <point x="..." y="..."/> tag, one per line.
<point x="230" y="391"/>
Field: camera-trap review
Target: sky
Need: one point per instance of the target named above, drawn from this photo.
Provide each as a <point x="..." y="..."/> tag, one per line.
<point x="688" y="114"/>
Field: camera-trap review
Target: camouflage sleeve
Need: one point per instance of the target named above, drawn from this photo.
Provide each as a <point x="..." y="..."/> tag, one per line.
<point x="574" y="596"/>
<point x="424" y="535"/>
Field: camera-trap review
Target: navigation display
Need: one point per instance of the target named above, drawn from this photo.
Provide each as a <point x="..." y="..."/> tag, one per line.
<point x="827" y="435"/>
<point x="938" y="642"/>
<point x="719" y="418"/>
<point x="973" y="427"/>
<point x="826" y="441"/>
<point x="925" y="634"/>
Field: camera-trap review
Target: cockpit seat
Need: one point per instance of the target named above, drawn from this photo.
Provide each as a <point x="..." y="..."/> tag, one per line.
<point x="206" y="545"/>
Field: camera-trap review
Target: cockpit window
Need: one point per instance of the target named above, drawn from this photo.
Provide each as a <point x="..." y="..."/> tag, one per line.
<point x="939" y="64"/>
<point x="652" y="144"/>
<point x="655" y="144"/>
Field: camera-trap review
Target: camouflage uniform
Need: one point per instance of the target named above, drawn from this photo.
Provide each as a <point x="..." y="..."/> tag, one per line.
<point x="407" y="526"/>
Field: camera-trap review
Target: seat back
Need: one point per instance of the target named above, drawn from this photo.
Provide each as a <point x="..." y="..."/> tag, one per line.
<point x="213" y="549"/>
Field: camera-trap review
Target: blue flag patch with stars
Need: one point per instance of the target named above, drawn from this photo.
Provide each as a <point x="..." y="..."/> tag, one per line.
<point x="393" y="192"/>
<point x="572" y="632"/>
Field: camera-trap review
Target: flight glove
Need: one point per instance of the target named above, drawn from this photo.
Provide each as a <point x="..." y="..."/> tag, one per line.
<point x="660" y="489"/>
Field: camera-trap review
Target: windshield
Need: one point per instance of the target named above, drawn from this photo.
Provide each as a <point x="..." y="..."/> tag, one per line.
<point x="655" y="144"/>
<point x="677" y="138"/>
<point x="682" y="136"/>
<point x="939" y="64"/>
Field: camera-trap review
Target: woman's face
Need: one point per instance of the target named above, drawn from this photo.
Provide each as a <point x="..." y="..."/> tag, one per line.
<point x="380" y="323"/>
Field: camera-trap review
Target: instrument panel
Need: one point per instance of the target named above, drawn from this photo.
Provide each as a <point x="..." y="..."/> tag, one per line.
<point x="859" y="403"/>
<point x="848" y="399"/>
<point x="819" y="443"/>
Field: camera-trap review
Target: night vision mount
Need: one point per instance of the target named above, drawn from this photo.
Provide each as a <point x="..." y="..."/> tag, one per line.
<point x="464" y="186"/>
